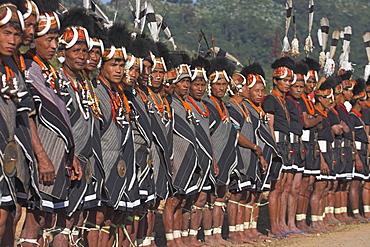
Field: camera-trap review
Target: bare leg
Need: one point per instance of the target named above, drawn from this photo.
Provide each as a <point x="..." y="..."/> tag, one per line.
<point x="232" y="212"/>
<point x="319" y="189"/>
<point x="355" y="198"/>
<point x="34" y="223"/>
<point x="94" y="221"/>
<point x="286" y="183"/>
<point x="366" y="199"/>
<point x="274" y="207"/>
<point x="196" y="218"/>
<point x="293" y="201"/>
<point x="218" y="216"/>
<point x="172" y="204"/>
<point x="6" y="227"/>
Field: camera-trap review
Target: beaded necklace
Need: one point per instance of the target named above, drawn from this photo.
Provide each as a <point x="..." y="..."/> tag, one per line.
<point x="10" y="83"/>
<point x="19" y="61"/>
<point x="309" y="105"/>
<point x="86" y="94"/>
<point x="163" y="107"/>
<point x="142" y="95"/>
<point x="224" y="117"/>
<point x="204" y="114"/>
<point x="282" y="103"/>
<point x="119" y="105"/>
<point x="323" y="113"/>
<point x="258" y="109"/>
<point x="243" y="110"/>
<point x="48" y="70"/>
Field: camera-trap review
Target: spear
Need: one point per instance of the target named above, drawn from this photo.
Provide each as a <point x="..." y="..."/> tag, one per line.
<point x="323" y="39"/>
<point x="308" y="46"/>
<point x="366" y="38"/>
<point x="288" y="7"/>
<point x="329" y="67"/>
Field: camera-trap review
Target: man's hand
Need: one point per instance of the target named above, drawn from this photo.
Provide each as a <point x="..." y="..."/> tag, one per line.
<point x="46" y="169"/>
<point x="257" y="151"/>
<point x="358" y="165"/>
<point x="324" y="168"/>
<point x="264" y="164"/>
<point x="76" y="173"/>
<point x="216" y="169"/>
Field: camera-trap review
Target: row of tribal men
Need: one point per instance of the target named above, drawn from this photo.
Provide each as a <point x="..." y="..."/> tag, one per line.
<point x="98" y="154"/>
<point x="105" y="151"/>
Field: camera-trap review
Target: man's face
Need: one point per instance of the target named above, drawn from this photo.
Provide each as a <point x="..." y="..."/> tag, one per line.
<point x="10" y="38"/>
<point x="30" y="25"/>
<point x="197" y="88"/>
<point x="94" y="59"/>
<point x="112" y="70"/>
<point x="338" y="98"/>
<point x="182" y="87"/>
<point x="256" y="93"/>
<point x="296" y="90"/>
<point x="245" y="92"/>
<point x="347" y="94"/>
<point x="362" y="104"/>
<point x="326" y="102"/>
<point x="283" y="85"/>
<point x="144" y="76"/>
<point x="132" y="74"/>
<point x="218" y="88"/>
<point x="309" y="86"/>
<point x="76" y="56"/>
<point x="157" y="76"/>
<point x="46" y="46"/>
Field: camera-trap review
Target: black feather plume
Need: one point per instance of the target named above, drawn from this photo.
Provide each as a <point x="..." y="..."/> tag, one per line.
<point x="254" y="68"/>
<point x="283" y="62"/>
<point x="312" y="64"/>
<point x="200" y="62"/>
<point x="119" y="36"/>
<point x="47" y="6"/>
<point x="179" y="57"/>
<point x="330" y="82"/>
<point x="220" y="64"/>
<point x="76" y="17"/>
<point x="300" y="68"/>
<point x="359" y="86"/>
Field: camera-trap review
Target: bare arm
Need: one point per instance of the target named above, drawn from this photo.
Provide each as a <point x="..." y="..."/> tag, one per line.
<point x="45" y="166"/>
<point x="270" y="122"/>
<point x="244" y="142"/>
<point x="311" y="121"/>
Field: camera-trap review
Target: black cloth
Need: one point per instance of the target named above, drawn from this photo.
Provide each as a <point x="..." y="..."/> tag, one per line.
<point x="224" y="141"/>
<point x="325" y="132"/>
<point x="344" y="115"/>
<point x="296" y="115"/>
<point x="272" y="106"/>
<point x="359" y="128"/>
<point x="366" y="114"/>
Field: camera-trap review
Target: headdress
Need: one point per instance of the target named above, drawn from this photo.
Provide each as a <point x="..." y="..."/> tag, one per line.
<point x="48" y="20"/>
<point x="199" y="67"/>
<point x="301" y="72"/>
<point x="368" y="85"/>
<point x="359" y="90"/>
<point x="31" y="8"/>
<point x="254" y="74"/>
<point x="117" y="43"/>
<point x="10" y="13"/>
<point x="346" y="78"/>
<point x="313" y="68"/>
<point x="161" y="56"/>
<point x="220" y="67"/>
<point x="181" y="61"/>
<point x="75" y="25"/>
<point x="325" y="89"/>
<point x="283" y="67"/>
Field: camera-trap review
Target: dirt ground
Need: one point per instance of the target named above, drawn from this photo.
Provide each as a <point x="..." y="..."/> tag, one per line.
<point x="346" y="235"/>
